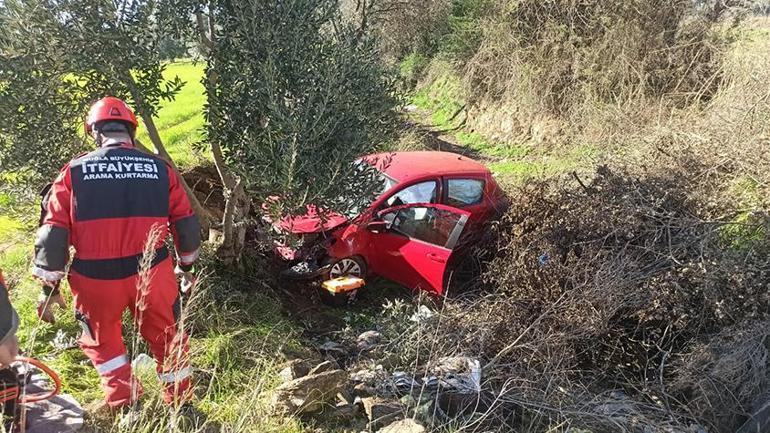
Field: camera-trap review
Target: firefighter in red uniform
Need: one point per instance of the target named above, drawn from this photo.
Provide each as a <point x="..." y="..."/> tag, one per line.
<point x="104" y="204"/>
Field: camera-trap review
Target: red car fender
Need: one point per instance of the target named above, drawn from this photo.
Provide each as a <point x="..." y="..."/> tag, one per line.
<point x="350" y="240"/>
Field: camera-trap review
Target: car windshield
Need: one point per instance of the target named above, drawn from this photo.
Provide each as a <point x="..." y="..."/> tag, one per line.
<point x="386" y="181"/>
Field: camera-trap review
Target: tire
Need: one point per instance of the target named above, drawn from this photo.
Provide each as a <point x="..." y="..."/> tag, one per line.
<point x="352" y="266"/>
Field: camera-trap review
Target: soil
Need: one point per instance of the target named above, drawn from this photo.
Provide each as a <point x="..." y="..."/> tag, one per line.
<point x="204" y="181"/>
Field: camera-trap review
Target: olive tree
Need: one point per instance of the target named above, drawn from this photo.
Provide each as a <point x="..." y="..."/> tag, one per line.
<point x="296" y="94"/>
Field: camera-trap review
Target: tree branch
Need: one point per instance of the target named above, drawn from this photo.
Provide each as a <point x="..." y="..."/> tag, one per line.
<point x="205" y="40"/>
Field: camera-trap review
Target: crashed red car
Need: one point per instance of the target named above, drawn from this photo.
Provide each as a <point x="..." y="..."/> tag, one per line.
<point x="431" y="203"/>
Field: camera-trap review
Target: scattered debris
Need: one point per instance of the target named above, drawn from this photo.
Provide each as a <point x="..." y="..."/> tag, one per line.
<point x="423" y="314"/>
<point x="61" y="341"/>
<point x="459" y="372"/>
<point x="368" y="340"/>
<point x="331" y="348"/>
<point x="143" y="361"/>
<point x="404" y="382"/>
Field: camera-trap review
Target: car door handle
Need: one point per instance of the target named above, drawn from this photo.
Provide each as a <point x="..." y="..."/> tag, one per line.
<point x="436" y="258"/>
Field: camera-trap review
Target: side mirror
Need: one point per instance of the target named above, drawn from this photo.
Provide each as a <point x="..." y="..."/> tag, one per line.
<point x="377" y="226"/>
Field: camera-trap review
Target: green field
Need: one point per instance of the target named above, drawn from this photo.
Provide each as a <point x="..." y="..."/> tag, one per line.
<point x="181" y="122"/>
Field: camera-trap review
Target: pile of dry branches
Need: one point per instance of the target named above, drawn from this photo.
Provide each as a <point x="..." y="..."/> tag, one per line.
<point x="627" y="302"/>
<point x="624" y="301"/>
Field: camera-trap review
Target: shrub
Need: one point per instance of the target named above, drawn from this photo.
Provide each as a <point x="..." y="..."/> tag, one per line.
<point x="297" y="96"/>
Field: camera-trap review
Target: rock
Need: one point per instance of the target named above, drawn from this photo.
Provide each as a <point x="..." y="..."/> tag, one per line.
<point x="309" y="393"/>
<point x="294" y="369"/>
<point x="331" y="348"/>
<point x="381" y="412"/>
<point x="368" y="340"/>
<point x="364" y="390"/>
<point x="371" y="377"/>
<point x="324" y="366"/>
<point x="346" y="411"/>
<point x="404" y="426"/>
<point x="453" y="365"/>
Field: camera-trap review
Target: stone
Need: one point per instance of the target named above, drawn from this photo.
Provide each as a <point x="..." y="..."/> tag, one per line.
<point x="404" y="426"/>
<point x="332" y="348"/>
<point x="368" y="340"/>
<point x="324" y="366"/>
<point x="294" y="369"/>
<point x="364" y="390"/>
<point x="381" y="412"/>
<point x="309" y="393"/>
<point x="371" y="377"/>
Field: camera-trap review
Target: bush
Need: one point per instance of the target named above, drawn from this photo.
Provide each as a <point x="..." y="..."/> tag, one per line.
<point x="572" y="52"/>
<point x="299" y="94"/>
<point x="411" y="68"/>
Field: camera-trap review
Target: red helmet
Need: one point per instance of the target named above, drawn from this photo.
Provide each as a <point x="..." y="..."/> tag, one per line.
<point x="109" y="108"/>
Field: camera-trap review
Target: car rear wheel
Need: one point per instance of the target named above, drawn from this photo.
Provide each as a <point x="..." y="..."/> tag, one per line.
<point x="348" y="267"/>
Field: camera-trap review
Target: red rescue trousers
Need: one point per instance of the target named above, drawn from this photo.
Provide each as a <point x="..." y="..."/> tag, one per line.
<point x="99" y="306"/>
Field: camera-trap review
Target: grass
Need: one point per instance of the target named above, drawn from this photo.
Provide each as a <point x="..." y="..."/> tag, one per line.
<point x="443" y="98"/>
<point x="238" y="333"/>
<point x="181" y="122"/>
<point x="235" y="346"/>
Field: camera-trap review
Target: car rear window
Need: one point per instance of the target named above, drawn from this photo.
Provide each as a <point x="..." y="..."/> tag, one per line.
<point x="464" y="192"/>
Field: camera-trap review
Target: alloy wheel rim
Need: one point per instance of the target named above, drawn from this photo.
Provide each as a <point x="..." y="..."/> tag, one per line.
<point x="345" y="267"/>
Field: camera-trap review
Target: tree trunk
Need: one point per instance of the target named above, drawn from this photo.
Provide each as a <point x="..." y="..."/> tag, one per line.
<point x="234" y="224"/>
<point x="237" y="203"/>
<point x="203" y="214"/>
<point x="160" y="150"/>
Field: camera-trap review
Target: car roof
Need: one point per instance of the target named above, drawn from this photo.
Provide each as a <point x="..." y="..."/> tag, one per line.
<point x="404" y="166"/>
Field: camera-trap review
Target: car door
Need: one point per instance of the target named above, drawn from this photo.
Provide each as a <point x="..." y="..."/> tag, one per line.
<point x="415" y="247"/>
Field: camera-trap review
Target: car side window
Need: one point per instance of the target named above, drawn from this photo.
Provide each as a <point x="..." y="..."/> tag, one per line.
<point x="423" y="192"/>
<point x="427" y="224"/>
<point x="464" y="192"/>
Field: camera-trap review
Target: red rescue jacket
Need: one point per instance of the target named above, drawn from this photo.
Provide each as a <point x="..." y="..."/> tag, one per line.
<point x="104" y="204"/>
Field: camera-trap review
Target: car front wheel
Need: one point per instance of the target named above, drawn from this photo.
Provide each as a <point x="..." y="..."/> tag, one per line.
<point x="348" y="267"/>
